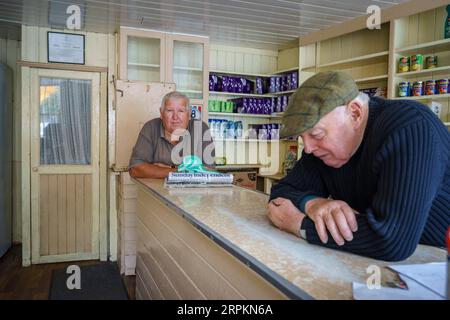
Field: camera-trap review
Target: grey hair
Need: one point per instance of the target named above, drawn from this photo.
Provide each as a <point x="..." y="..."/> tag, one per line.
<point x="363" y="98"/>
<point x="174" y="95"/>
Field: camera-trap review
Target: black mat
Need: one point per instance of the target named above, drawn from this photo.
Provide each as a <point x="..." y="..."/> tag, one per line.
<point x="98" y="282"/>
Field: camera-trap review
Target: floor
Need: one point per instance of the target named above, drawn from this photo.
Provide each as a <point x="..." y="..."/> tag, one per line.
<point x="33" y="282"/>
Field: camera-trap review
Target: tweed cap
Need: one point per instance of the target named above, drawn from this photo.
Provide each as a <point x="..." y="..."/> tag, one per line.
<point x="316" y="97"/>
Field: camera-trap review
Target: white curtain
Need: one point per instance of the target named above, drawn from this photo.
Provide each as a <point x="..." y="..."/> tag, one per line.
<point x="65" y="116"/>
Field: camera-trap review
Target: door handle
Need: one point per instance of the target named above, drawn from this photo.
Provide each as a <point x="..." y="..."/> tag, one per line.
<point x="35" y="169"/>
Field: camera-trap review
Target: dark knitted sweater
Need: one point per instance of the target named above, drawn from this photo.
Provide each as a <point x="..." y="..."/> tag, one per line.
<point x="398" y="179"/>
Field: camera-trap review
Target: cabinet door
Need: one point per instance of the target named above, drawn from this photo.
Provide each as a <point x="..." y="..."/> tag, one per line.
<point x="187" y="65"/>
<point x="142" y="55"/>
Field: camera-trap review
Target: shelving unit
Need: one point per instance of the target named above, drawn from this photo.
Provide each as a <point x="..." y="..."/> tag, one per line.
<point x="236" y="94"/>
<point x="246" y="115"/>
<point x="427" y="97"/>
<point x="425" y="72"/>
<point x="250" y="64"/>
<point x="363" y="54"/>
<point x="364" y="60"/>
<point x="438" y="45"/>
<point x="371" y="79"/>
<point x="422" y="33"/>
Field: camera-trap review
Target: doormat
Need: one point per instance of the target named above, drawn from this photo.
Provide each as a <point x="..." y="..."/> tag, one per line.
<point x="95" y="282"/>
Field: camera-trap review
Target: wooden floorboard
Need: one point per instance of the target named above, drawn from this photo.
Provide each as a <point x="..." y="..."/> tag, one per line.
<point x="33" y="282"/>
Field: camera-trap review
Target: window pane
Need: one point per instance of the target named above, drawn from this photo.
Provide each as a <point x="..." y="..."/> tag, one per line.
<point x="65" y="121"/>
<point x="188" y="68"/>
<point x="143" y="59"/>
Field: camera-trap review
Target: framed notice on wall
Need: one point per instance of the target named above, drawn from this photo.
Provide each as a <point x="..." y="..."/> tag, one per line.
<point x="65" y="47"/>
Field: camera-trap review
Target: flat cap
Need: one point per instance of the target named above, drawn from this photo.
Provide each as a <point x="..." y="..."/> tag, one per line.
<point x="316" y="97"/>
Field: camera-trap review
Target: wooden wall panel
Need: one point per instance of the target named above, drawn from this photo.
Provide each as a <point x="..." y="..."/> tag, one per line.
<point x="35" y="45"/>
<point x="53" y="214"/>
<point x="62" y="214"/>
<point x="10" y="51"/>
<point x="355" y="44"/>
<point x="65" y="204"/>
<point x="287" y="59"/>
<point x="44" y="211"/>
<point x="71" y="209"/>
<point x="423" y="27"/>
<point x="191" y="260"/>
<point x="240" y="59"/>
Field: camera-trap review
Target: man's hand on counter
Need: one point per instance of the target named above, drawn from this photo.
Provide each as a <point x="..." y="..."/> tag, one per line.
<point x="285" y="216"/>
<point x="336" y="216"/>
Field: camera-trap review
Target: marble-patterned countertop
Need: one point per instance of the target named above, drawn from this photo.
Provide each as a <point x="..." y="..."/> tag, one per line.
<point x="236" y="218"/>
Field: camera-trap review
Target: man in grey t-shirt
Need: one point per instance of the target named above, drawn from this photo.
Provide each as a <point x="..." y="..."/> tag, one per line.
<point x="164" y="141"/>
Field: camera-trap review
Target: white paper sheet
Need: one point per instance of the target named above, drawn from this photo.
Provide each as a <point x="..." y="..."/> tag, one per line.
<point x="415" y="291"/>
<point x="425" y="282"/>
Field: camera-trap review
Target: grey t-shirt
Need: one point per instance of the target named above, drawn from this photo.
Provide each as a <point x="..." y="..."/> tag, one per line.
<point x="153" y="147"/>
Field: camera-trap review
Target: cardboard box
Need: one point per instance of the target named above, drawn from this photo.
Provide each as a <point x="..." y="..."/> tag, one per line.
<point x="246" y="179"/>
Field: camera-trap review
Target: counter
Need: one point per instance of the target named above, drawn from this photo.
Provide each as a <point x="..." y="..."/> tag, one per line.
<point x="217" y="243"/>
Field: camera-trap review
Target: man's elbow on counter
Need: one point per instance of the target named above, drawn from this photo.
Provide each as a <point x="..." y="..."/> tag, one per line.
<point x="393" y="251"/>
<point x="133" y="172"/>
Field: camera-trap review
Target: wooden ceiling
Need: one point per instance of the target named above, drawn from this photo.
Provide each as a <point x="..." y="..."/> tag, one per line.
<point x="252" y="23"/>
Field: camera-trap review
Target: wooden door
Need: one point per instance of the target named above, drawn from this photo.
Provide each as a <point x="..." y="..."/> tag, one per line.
<point x="65" y="165"/>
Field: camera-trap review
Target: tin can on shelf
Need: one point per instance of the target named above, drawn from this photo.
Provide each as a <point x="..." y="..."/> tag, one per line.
<point x="416" y="62"/>
<point x="417" y="89"/>
<point x="442" y="86"/>
<point x="431" y="62"/>
<point x="403" y="64"/>
<point x="403" y="89"/>
<point x="430" y="87"/>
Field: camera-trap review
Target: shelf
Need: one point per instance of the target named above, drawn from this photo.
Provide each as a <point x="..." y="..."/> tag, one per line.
<point x="370" y="79"/>
<point x="190" y="91"/>
<point x="235" y="94"/>
<point x="245" y="115"/>
<point x="240" y="73"/>
<point x="430" y="97"/>
<point x="273" y="177"/>
<point x="422" y="72"/>
<point x="435" y="46"/>
<point x="246" y="140"/>
<point x="447" y="124"/>
<point x="147" y="65"/>
<point x="188" y="69"/>
<point x="264" y="75"/>
<point x="286" y="70"/>
<point x="365" y="58"/>
<point x="282" y="92"/>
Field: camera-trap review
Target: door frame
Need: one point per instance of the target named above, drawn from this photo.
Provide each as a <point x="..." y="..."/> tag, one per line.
<point x="28" y="93"/>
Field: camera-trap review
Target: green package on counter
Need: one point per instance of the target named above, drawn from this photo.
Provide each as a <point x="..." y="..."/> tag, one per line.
<point x="193" y="164"/>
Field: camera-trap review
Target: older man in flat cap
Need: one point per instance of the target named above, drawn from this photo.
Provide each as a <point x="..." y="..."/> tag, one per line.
<point x="374" y="176"/>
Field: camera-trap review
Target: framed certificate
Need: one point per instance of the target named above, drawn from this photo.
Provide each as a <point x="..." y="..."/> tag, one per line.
<point x="65" y="47"/>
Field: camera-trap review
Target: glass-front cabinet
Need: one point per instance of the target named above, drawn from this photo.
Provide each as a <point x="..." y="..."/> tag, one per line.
<point x="142" y="55"/>
<point x="162" y="57"/>
<point x="186" y="67"/>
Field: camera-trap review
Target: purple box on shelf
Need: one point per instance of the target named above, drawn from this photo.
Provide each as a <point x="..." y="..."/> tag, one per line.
<point x="277" y="84"/>
<point x="294" y="80"/>
<point x="272" y="84"/>
<point x="289" y="81"/>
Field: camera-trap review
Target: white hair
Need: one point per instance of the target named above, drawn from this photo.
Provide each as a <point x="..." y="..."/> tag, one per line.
<point x="363" y="98"/>
<point x="174" y="95"/>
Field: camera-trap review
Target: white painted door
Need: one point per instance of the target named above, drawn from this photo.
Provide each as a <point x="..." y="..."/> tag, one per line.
<point x="65" y="161"/>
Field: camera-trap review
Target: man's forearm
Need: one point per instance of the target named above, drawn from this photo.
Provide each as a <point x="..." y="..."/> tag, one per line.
<point x="147" y="170"/>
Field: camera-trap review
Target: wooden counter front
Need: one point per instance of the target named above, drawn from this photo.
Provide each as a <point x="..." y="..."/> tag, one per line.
<point x="217" y="243"/>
